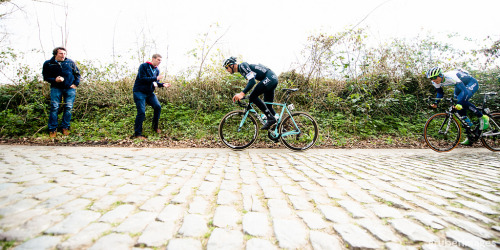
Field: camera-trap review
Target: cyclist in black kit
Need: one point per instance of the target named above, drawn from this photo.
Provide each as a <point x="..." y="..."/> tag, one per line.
<point x="267" y="84"/>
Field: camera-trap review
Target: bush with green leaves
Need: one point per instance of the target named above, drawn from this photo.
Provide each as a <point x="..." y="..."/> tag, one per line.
<point x="355" y="92"/>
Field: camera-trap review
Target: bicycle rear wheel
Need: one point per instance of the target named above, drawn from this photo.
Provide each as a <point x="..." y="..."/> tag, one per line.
<point x="442" y="132"/>
<point x="299" y="131"/>
<point x="491" y="137"/>
<point x="234" y="136"/>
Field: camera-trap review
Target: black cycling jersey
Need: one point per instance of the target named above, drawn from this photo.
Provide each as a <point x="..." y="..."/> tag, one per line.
<point x="253" y="72"/>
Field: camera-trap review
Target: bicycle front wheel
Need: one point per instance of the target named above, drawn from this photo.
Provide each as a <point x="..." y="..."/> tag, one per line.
<point x="442" y="132"/>
<point x="298" y="131"/>
<point x="234" y="136"/>
<point x="491" y="136"/>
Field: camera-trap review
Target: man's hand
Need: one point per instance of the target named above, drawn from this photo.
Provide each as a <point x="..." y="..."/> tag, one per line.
<point x="160" y="77"/>
<point x="238" y="97"/>
<point x="434" y="105"/>
<point x="59" y="79"/>
<point x="73" y="86"/>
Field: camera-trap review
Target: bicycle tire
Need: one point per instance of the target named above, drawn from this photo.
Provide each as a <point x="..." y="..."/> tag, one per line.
<point x="308" y="131"/>
<point x="438" y="140"/>
<point x="489" y="139"/>
<point x="229" y="134"/>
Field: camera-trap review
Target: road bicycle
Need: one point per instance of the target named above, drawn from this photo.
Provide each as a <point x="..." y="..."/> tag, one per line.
<point x="296" y="130"/>
<point x="442" y="131"/>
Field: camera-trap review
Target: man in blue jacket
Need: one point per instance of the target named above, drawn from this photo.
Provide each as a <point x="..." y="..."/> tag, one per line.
<point x="64" y="78"/>
<point x="147" y="80"/>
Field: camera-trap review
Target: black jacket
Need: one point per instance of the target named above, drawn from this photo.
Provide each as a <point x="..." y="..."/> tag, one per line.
<point x="146" y="76"/>
<point x="67" y="69"/>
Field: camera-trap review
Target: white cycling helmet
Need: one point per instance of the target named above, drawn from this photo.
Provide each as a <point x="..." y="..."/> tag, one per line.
<point x="434" y="72"/>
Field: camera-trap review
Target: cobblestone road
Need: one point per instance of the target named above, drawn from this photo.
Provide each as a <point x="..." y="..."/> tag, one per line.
<point x="124" y="198"/>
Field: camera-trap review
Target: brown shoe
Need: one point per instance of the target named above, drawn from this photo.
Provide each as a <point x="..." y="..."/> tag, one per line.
<point x="52" y="134"/>
<point x="65" y="131"/>
<point x="140" y="137"/>
<point x="158" y="131"/>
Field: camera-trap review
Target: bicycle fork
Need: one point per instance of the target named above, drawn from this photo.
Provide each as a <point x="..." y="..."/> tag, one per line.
<point x="245" y="118"/>
<point x="447" y="123"/>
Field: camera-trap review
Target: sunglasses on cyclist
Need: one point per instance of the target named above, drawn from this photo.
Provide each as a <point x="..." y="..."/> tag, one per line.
<point x="434" y="77"/>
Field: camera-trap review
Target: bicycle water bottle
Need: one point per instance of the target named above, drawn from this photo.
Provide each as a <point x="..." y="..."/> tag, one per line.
<point x="468" y="121"/>
<point x="263" y="118"/>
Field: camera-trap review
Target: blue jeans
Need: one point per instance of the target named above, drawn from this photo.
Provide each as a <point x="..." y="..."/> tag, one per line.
<point x="56" y="96"/>
<point x="140" y="100"/>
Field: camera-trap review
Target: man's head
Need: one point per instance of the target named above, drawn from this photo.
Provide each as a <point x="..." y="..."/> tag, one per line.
<point x="435" y="74"/>
<point x="230" y="65"/>
<point x="156" y="60"/>
<point x="59" y="53"/>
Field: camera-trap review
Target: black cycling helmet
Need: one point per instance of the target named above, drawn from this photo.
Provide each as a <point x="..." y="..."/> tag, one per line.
<point x="230" y="61"/>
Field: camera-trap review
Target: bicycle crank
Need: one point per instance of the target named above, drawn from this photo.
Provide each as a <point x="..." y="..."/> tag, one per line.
<point x="272" y="135"/>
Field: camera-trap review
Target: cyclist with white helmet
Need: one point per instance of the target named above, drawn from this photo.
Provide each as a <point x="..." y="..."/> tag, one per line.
<point x="465" y="87"/>
<point x="268" y="81"/>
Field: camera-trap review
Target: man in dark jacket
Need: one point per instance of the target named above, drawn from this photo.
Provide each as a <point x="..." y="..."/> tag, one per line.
<point x="147" y="80"/>
<point x="64" y="78"/>
<point x="268" y="81"/>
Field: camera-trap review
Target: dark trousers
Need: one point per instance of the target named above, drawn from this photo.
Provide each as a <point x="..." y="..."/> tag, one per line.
<point x="266" y="87"/>
<point x="141" y="99"/>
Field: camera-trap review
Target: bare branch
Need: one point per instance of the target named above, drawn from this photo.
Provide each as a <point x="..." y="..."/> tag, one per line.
<point x="49" y="2"/>
<point x="66" y="30"/>
<point x="12" y="10"/>
<point x="204" y="56"/>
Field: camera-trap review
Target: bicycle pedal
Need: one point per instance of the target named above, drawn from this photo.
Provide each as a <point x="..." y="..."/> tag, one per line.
<point x="271" y="135"/>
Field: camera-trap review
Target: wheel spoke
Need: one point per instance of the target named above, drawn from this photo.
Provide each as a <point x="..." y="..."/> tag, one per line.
<point x="491" y="137"/>
<point x="299" y="133"/>
<point x="236" y="135"/>
<point x="442" y="132"/>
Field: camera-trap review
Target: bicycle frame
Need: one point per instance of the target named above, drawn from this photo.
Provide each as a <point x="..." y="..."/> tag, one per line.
<point x="453" y="112"/>
<point x="468" y="130"/>
<point x="284" y="107"/>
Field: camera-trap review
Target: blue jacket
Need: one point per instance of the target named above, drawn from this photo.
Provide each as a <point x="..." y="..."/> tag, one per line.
<point x="451" y="78"/>
<point x="67" y="69"/>
<point x="146" y="76"/>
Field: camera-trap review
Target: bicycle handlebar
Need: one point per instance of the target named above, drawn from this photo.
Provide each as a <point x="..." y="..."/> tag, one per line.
<point x="443" y="99"/>
<point x="242" y="103"/>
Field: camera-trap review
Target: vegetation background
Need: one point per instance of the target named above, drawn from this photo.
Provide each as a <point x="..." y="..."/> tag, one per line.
<point x="361" y="95"/>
